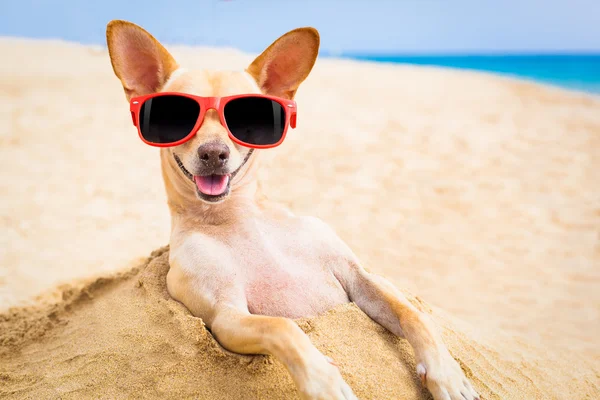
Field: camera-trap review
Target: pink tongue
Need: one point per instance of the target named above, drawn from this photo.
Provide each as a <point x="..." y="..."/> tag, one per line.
<point x="212" y="184"/>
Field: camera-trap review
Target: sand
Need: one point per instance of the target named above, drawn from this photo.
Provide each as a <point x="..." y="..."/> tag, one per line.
<point x="478" y="193"/>
<point x="122" y="336"/>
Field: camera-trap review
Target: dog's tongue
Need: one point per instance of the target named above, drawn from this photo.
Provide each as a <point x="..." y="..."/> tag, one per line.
<point x="213" y="185"/>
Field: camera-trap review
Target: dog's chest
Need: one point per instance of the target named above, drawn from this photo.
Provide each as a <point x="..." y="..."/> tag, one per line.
<point x="287" y="273"/>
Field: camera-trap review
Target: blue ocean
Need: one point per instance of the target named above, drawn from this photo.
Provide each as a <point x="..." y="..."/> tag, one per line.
<point x="578" y="72"/>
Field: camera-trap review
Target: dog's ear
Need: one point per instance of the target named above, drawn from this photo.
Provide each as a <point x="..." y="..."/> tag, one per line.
<point x="141" y="63"/>
<point x="282" y="67"/>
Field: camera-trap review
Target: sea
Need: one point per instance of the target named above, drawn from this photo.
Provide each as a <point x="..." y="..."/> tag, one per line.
<point x="577" y="72"/>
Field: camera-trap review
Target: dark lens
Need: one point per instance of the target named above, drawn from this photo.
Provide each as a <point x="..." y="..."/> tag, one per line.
<point x="255" y="120"/>
<point x="169" y="118"/>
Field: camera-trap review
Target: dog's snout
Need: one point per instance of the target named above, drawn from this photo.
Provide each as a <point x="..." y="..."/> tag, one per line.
<point x="213" y="155"/>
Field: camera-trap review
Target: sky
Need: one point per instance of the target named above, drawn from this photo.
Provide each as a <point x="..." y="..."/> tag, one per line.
<point x="346" y="26"/>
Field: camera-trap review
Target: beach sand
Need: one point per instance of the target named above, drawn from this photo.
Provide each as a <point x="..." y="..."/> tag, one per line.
<point x="479" y="194"/>
<point x="124" y="337"/>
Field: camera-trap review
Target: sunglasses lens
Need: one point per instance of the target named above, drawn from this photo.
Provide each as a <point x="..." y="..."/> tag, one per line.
<point x="255" y="120"/>
<point x="168" y="119"/>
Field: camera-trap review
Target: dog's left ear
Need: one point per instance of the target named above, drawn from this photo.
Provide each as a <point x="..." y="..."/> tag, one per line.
<point x="282" y="67"/>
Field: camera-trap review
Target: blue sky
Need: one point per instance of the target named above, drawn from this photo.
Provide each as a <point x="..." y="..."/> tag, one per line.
<point x="359" y="26"/>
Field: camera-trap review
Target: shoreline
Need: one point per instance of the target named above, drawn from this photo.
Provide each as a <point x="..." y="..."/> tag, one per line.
<point x="373" y="59"/>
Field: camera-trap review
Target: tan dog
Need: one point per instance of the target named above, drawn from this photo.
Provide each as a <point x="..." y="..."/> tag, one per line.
<point x="247" y="267"/>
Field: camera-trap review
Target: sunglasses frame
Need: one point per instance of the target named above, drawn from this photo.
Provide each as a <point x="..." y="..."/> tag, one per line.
<point x="218" y="104"/>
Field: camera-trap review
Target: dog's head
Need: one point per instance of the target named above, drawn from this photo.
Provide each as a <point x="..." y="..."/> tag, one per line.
<point x="207" y="164"/>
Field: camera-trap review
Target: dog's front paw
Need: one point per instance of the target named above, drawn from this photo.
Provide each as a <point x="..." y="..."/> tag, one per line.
<point x="445" y="379"/>
<point x="323" y="381"/>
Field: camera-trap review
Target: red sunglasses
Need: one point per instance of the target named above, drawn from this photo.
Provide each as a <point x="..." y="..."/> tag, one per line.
<point x="252" y="120"/>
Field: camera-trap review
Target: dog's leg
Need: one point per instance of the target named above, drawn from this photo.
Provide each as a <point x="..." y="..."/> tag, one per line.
<point x="314" y="375"/>
<point x="386" y="305"/>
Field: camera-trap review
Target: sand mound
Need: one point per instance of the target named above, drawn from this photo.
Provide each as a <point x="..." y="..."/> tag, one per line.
<point x="123" y="336"/>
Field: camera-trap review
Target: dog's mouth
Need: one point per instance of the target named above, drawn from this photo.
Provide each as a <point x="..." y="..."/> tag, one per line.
<point x="212" y="187"/>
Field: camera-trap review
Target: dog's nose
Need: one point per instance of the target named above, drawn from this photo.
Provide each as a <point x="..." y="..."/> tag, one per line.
<point x="213" y="155"/>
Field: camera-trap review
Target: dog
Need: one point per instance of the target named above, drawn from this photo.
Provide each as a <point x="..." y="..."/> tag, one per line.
<point x="245" y="266"/>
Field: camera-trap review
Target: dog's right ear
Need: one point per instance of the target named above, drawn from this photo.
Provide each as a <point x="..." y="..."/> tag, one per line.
<point x="141" y="63"/>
